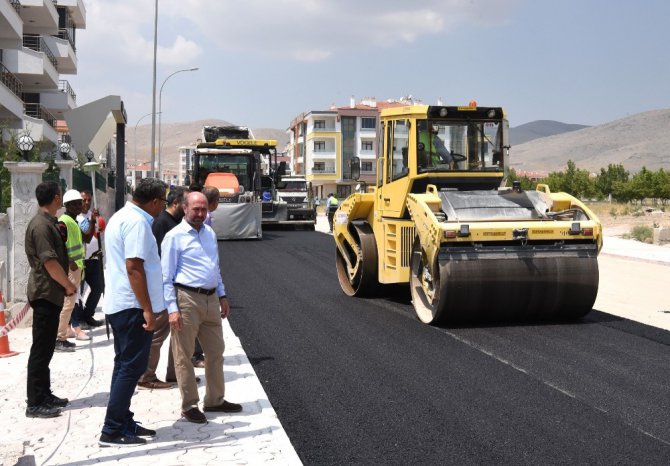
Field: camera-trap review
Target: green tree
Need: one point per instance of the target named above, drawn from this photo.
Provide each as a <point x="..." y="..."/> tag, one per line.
<point x="9" y="151"/>
<point x="622" y="191"/>
<point x="642" y="185"/>
<point x="604" y="182"/>
<point x="556" y="181"/>
<point x="526" y="183"/>
<point x="661" y="185"/>
<point x="573" y="181"/>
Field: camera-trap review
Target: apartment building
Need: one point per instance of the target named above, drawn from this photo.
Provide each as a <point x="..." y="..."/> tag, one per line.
<point x="185" y="167"/>
<point x="323" y="142"/>
<point x="37" y="48"/>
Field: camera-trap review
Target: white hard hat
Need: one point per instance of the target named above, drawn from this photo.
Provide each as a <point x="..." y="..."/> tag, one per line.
<point x="72" y="195"/>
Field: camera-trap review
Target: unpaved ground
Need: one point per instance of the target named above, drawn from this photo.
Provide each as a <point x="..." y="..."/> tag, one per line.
<point x="622" y="224"/>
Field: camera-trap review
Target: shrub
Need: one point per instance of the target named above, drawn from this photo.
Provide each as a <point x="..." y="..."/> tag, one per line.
<point x="642" y="233"/>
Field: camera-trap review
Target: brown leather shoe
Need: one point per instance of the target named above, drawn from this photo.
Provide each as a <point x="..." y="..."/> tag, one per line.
<point x="154" y="385"/>
<point x="194" y="415"/>
<point x="225" y="407"/>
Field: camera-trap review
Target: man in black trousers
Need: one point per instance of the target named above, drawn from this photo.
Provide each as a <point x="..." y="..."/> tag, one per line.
<point x="91" y="224"/>
<point x="48" y="284"/>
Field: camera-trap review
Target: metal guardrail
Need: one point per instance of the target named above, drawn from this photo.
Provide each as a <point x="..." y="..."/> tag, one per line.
<point x="64" y="86"/>
<point x="10" y="81"/>
<point x="64" y="34"/>
<point x="323" y="170"/>
<point x="41" y="113"/>
<point x="36" y="43"/>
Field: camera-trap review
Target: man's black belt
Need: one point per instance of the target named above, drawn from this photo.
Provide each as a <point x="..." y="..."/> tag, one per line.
<point x="207" y="291"/>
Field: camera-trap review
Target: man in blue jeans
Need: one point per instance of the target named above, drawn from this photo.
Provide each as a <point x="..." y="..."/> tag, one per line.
<point x="133" y="294"/>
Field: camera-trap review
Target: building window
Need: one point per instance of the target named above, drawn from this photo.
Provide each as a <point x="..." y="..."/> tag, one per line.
<point x="343" y="191"/>
<point x="319" y="124"/>
<point x="319" y="146"/>
<point x="368" y="123"/>
<point x="319" y="167"/>
<point x="366" y="166"/>
<point x="366" y="145"/>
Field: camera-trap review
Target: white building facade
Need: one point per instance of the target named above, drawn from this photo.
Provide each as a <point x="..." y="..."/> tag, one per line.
<point x="322" y="144"/>
<point x="37" y="48"/>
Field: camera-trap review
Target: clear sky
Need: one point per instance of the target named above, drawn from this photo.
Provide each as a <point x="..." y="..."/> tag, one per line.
<point x="262" y="62"/>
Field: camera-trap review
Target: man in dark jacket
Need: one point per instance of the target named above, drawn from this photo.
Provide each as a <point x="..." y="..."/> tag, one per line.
<point x="165" y="222"/>
<point x="48" y="284"/>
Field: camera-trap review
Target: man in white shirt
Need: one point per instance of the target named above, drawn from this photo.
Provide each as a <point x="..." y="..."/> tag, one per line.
<point x="196" y="302"/>
<point x="133" y="294"/>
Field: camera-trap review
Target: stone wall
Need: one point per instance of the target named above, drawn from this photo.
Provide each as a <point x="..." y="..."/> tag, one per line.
<point x="14" y="267"/>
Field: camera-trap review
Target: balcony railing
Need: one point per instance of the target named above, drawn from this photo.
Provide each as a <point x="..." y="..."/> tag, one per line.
<point x="16" y="4"/>
<point x="36" y="43"/>
<point x="323" y="170"/>
<point x="41" y="113"/>
<point x="65" y="34"/>
<point x="64" y="86"/>
<point x="10" y="81"/>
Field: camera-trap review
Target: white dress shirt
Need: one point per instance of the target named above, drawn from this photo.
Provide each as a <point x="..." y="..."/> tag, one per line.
<point x="190" y="257"/>
<point x="128" y="236"/>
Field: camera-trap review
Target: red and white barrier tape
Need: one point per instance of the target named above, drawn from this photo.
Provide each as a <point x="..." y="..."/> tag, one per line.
<point x="15" y="321"/>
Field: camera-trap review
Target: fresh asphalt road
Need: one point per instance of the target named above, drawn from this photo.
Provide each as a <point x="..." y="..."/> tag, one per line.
<point x="361" y="381"/>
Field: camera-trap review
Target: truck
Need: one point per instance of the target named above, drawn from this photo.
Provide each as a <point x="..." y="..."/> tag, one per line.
<point x="441" y="220"/>
<point x="288" y="200"/>
<point x="297" y="193"/>
<point x="229" y="158"/>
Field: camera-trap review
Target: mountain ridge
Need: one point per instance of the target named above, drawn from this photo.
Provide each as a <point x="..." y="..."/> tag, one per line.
<point x="640" y="140"/>
<point x="541" y="146"/>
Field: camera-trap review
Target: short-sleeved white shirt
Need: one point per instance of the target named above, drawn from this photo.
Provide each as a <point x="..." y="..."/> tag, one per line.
<point x="128" y="236"/>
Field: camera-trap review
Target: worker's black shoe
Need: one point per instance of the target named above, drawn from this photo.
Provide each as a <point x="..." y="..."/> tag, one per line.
<point x="53" y="400"/>
<point x="107" y="440"/>
<point x="43" y="411"/>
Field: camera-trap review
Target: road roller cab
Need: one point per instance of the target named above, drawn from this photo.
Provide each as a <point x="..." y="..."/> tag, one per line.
<point x="440" y="219"/>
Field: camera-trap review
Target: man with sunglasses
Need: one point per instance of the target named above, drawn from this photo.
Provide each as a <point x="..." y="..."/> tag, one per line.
<point x="133" y="295"/>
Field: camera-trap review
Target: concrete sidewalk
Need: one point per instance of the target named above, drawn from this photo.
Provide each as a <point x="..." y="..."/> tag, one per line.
<point x="254" y="436"/>
<point x="632" y="249"/>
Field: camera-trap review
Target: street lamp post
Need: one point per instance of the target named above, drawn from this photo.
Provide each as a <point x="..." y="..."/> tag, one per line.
<point x="26" y="145"/>
<point x="135" y="139"/>
<point x="153" y="92"/>
<point x="91" y="166"/>
<point x="160" y="112"/>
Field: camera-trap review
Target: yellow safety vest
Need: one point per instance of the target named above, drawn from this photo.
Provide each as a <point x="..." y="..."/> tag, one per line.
<point x="74" y="243"/>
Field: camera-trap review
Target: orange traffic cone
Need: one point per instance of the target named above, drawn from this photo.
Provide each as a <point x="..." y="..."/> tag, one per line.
<point x="4" y="341"/>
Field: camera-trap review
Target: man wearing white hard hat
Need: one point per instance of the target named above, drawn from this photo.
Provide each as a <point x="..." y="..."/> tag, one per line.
<point x="73" y="203"/>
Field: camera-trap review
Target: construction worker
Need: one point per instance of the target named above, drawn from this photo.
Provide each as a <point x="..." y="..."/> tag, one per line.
<point x="331" y="206"/>
<point x="434" y="150"/>
<point x="73" y="203"/>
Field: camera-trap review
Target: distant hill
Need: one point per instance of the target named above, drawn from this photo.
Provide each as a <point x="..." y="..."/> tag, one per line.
<point x="540" y="129"/>
<point x="539" y="146"/>
<point x="636" y="141"/>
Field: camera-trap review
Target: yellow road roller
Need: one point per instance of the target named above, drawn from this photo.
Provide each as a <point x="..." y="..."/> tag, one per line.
<point x="440" y="219"/>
